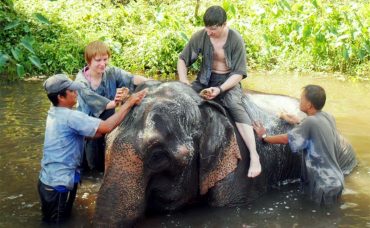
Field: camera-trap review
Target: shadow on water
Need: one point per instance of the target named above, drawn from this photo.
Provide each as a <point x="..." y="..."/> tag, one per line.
<point x="23" y="108"/>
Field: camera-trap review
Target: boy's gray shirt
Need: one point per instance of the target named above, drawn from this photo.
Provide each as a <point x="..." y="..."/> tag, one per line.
<point x="200" y="45"/>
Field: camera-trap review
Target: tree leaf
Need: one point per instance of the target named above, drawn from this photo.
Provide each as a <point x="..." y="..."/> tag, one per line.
<point x="345" y="53"/>
<point x="27" y="44"/>
<point x="184" y="36"/>
<point x="314" y="3"/>
<point x="41" y="18"/>
<point x="35" y="61"/>
<point x="16" y="52"/>
<point x="20" y="70"/>
<point x="12" y="24"/>
<point x="3" y="59"/>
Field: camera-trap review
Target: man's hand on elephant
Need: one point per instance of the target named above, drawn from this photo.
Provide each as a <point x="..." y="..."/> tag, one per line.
<point x="259" y="129"/>
<point x="136" y="98"/>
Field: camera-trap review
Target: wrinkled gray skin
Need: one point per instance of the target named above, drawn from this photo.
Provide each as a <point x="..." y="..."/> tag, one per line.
<point x="175" y="149"/>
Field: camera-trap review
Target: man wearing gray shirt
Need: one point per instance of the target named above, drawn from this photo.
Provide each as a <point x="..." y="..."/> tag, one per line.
<point x="322" y="177"/>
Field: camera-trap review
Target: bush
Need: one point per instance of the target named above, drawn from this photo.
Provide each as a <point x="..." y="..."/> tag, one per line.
<point x="47" y="37"/>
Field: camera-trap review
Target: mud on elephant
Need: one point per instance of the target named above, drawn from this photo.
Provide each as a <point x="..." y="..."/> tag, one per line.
<point x="176" y="148"/>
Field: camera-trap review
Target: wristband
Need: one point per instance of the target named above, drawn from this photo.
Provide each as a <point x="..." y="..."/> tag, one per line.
<point x="221" y="90"/>
<point x="264" y="136"/>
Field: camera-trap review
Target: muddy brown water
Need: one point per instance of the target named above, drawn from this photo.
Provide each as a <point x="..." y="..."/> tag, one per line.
<point x="23" y="108"/>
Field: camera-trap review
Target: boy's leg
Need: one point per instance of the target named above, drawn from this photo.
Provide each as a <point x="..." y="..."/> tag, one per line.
<point x="232" y="101"/>
<point x="246" y="131"/>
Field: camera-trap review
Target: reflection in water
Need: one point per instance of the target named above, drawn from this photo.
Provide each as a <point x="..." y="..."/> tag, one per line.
<point x="23" y="108"/>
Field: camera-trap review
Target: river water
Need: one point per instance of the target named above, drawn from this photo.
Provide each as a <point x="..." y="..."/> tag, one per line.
<point x="23" y="108"/>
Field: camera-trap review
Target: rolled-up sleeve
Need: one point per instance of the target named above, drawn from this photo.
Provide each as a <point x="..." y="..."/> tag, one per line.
<point x="238" y="57"/>
<point x="299" y="136"/>
<point x="123" y="78"/>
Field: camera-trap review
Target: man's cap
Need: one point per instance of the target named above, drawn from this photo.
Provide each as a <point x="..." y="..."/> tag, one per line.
<point x="59" y="82"/>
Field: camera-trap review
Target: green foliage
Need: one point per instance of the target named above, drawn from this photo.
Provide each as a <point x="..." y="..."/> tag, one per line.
<point x="16" y="52"/>
<point x="47" y="37"/>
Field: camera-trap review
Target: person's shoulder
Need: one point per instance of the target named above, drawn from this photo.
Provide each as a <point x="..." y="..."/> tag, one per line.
<point x="326" y="114"/>
<point x="235" y="37"/>
<point x="235" y="33"/>
<point x="308" y="121"/>
<point x="80" y="76"/>
<point x="77" y="116"/>
<point x="200" y="34"/>
<point x="71" y="113"/>
<point x="111" y="72"/>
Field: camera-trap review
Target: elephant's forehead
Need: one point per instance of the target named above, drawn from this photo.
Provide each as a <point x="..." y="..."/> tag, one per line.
<point x="166" y="119"/>
<point x="149" y="130"/>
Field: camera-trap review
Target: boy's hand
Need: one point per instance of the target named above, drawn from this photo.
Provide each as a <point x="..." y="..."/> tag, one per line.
<point x="210" y="93"/>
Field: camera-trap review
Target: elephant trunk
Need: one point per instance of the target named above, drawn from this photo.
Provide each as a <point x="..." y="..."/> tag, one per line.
<point x="121" y="198"/>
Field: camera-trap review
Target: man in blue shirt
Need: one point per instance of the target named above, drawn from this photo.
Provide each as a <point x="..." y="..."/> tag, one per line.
<point x="63" y="145"/>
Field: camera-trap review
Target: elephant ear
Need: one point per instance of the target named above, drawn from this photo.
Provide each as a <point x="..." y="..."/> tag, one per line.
<point x="218" y="149"/>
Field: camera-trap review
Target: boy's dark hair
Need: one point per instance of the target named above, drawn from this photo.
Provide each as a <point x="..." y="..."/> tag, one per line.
<point x="53" y="97"/>
<point x="316" y="95"/>
<point x="214" y="15"/>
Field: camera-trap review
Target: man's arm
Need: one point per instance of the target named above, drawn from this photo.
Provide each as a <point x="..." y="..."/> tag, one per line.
<point x="274" y="139"/>
<point x="277" y="139"/>
<point x="112" y="122"/>
<point x="182" y="71"/>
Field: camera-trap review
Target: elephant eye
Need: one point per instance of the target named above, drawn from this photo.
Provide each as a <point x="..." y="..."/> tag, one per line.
<point x="158" y="159"/>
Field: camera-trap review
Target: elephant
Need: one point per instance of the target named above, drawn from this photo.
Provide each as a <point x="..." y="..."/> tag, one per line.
<point x="176" y="148"/>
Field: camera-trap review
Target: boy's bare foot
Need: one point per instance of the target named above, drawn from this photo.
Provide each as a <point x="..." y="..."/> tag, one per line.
<point x="254" y="167"/>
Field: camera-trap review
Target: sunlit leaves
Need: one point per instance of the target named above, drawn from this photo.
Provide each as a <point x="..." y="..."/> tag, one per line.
<point x="184" y="36"/>
<point x="40" y="18"/>
<point x="147" y="36"/>
<point x="314" y="2"/>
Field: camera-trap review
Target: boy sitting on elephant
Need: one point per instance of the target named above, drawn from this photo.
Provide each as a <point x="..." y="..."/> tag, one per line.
<point x="223" y="67"/>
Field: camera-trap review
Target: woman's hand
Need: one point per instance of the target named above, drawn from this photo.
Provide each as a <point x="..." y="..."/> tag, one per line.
<point x="122" y="94"/>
